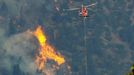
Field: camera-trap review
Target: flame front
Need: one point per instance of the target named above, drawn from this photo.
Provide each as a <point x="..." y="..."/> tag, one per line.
<point x="46" y="51"/>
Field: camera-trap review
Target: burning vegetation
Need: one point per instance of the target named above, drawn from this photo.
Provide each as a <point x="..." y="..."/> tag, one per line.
<point x="46" y="51"/>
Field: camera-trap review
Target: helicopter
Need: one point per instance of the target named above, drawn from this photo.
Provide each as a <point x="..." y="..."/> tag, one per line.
<point x="83" y="10"/>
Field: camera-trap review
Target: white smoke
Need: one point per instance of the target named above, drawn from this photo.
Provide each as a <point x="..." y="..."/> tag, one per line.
<point x="19" y="49"/>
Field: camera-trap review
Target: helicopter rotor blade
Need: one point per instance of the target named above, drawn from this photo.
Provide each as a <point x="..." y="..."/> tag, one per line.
<point x="73" y="9"/>
<point x="91" y="5"/>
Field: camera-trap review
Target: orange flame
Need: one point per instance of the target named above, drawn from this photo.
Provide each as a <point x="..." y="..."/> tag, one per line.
<point x="46" y="51"/>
